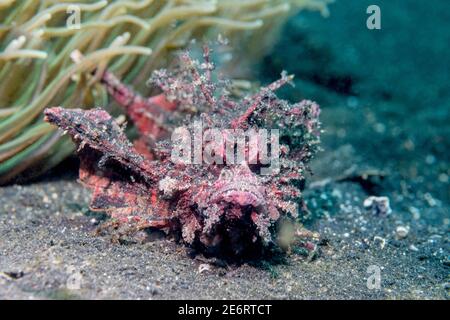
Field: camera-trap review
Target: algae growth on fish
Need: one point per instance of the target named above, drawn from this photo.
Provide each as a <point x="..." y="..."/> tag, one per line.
<point x="228" y="197"/>
<point x="172" y="187"/>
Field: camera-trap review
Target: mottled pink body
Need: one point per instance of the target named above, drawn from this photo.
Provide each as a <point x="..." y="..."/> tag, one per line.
<point x="220" y="208"/>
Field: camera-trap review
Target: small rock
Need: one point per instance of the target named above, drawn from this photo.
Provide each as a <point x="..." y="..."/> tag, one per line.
<point x="336" y="193"/>
<point x="401" y="232"/>
<point x="203" y="268"/>
<point x="432" y="202"/>
<point x="415" y="213"/>
<point x="430" y="159"/>
<point x="443" y="178"/>
<point x="381" y="240"/>
<point x="378" y="205"/>
<point x="434" y="238"/>
<point x="352" y="102"/>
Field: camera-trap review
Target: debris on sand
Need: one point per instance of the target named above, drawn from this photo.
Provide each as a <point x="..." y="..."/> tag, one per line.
<point x="401" y="232"/>
<point x="379" y="206"/>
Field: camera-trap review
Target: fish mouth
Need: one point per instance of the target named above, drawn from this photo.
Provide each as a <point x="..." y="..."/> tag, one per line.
<point x="235" y="235"/>
<point x="235" y="231"/>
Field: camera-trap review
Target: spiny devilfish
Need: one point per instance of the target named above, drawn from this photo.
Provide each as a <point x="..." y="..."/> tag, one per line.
<point x="220" y="209"/>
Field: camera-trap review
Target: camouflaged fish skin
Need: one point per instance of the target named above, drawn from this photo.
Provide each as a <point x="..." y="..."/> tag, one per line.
<point x="223" y="209"/>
